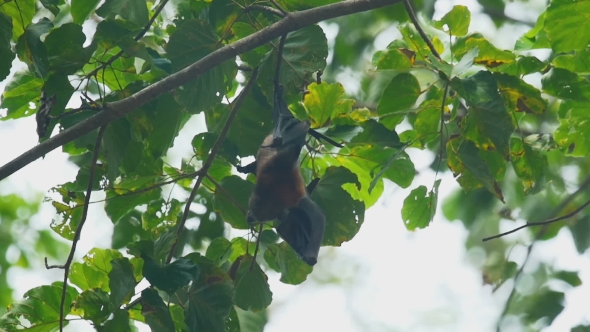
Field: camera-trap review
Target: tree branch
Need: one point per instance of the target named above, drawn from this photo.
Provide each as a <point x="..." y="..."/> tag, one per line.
<point x="419" y="28"/>
<point x="294" y="21"/>
<point x="583" y="187"/>
<point x="237" y="104"/>
<point x="68" y="263"/>
<point x="540" y="223"/>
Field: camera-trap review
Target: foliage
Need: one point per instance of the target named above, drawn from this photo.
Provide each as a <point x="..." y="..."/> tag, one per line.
<point x="507" y="138"/>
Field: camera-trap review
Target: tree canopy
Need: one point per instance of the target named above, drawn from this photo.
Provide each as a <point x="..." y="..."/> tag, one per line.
<point x="113" y="83"/>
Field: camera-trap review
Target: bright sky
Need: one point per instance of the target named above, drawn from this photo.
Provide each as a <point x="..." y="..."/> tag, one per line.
<point x="385" y="279"/>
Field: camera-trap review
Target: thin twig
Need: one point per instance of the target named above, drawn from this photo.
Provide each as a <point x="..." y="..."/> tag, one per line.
<point x="68" y="263"/>
<point x="419" y="28"/>
<point x="583" y="187"/>
<point x="115" y="110"/>
<point x="257" y="247"/>
<point x="209" y="161"/>
<point x="283" y="11"/>
<point x="540" y="223"/>
<point x="265" y="9"/>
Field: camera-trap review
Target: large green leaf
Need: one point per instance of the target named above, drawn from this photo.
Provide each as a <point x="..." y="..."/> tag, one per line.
<point x="121" y="281"/>
<point x="40" y="306"/>
<point x="471" y="170"/>
<point x="324" y="102"/>
<point x="344" y="215"/>
<point x="397" y="99"/>
<point x="93" y="305"/>
<point x="24" y="88"/>
<point x="419" y="207"/>
<point x="566" y="85"/>
<point x="281" y="258"/>
<point x="572" y="133"/>
<point x="209" y="297"/>
<point x="135" y="11"/>
<point x="156" y="312"/>
<point x="234" y="190"/>
<point x="169" y="277"/>
<point x="456" y="21"/>
<point x="251" y="285"/>
<point x="529" y="165"/>
<point x="6" y="54"/>
<point x="82" y="8"/>
<point x="304" y="53"/>
<point x="21" y="12"/>
<point x="488" y="123"/>
<point x="193" y="40"/>
<point x="94" y="272"/>
<point x="567" y="28"/>
<point x="31" y="50"/>
<point x="65" y="49"/>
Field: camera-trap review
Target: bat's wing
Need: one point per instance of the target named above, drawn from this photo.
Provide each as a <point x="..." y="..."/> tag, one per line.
<point x="303" y="229"/>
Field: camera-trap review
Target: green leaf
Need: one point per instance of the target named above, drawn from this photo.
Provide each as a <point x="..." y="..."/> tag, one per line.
<point x="65" y="50"/>
<point x="40" y="306"/>
<point x="324" y="102"/>
<point x="304" y="53"/>
<point x="241" y="30"/>
<point x="344" y="215"/>
<point x="82" y="8"/>
<point x="6" y="54"/>
<point x="529" y="165"/>
<point x="572" y="133"/>
<point x="168" y="120"/>
<point x="131" y="10"/>
<point x="119" y="33"/>
<point x="488" y="122"/>
<point x="252" y="321"/>
<point x="570" y="277"/>
<point x="281" y="258"/>
<point x="567" y="25"/>
<point x="117" y="206"/>
<point x="31" y="50"/>
<point x="394" y="57"/>
<point x="232" y="323"/>
<point x="51" y="5"/>
<point x="566" y="85"/>
<point x="419" y="207"/>
<point x="456" y="21"/>
<point x="93" y="273"/>
<point x="239" y="190"/>
<point x="251" y="124"/>
<point x="169" y="277"/>
<point x="210" y="297"/>
<point x="375" y="134"/>
<point x="24" y="88"/>
<point x="92" y="304"/>
<point x="156" y="312"/>
<point x="21" y="12"/>
<point x="520" y="96"/>
<point x="251" y="286"/>
<point x="581" y="233"/>
<point x="219" y="250"/>
<point x="397" y="99"/>
<point x="470" y="169"/>
<point x="577" y="62"/>
<point x="121" y="281"/>
<point x="119" y="323"/>
<point x="488" y="55"/>
<point x="369" y="164"/>
<point x="193" y="40"/>
<point x="177" y="313"/>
